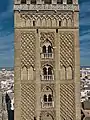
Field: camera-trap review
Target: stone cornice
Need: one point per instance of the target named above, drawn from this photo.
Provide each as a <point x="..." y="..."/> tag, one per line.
<point x="71" y="7"/>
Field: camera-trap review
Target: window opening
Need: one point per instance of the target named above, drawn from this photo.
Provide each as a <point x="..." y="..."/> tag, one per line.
<point x="59" y="1"/>
<point x="48" y="1"/>
<point x="59" y="23"/>
<point x="44" y="49"/>
<point x="34" y="118"/>
<point x="23" y="1"/>
<point x="50" y="98"/>
<point x="49" y="49"/>
<point x="45" y="98"/>
<point x="49" y="71"/>
<point x="33" y="1"/>
<point x="33" y="23"/>
<point x="69" y="2"/>
<point x="45" y="71"/>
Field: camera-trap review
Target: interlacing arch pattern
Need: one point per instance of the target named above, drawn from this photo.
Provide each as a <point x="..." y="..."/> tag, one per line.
<point x="67" y="102"/>
<point x="27" y="101"/>
<point x="47" y="36"/>
<point x="66" y="49"/>
<point x="49" y="19"/>
<point x="28" y="49"/>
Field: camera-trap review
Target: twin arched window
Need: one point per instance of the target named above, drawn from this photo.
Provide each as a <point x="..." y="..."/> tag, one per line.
<point x="47" y="70"/>
<point x="47" y="98"/>
<point x="47" y="49"/>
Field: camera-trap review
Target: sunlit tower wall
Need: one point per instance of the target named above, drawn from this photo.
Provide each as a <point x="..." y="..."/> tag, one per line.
<point x="47" y="66"/>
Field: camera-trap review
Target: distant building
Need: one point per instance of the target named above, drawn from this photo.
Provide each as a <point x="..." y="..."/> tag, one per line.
<point x="10" y="108"/>
<point x="85" y="112"/>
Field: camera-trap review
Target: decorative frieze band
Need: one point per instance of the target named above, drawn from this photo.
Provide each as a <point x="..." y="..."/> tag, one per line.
<point x="47" y="7"/>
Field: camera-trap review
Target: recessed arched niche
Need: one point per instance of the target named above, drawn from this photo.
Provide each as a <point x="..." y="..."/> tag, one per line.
<point x="63" y="73"/>
<point x="69" y="73"/>
<point x="27" y="73"/>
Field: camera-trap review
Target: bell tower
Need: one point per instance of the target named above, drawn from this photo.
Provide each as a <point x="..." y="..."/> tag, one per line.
<point x="47" y="67"/>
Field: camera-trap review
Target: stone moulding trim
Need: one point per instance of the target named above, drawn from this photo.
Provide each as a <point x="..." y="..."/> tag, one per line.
<point x="46" y="7"/>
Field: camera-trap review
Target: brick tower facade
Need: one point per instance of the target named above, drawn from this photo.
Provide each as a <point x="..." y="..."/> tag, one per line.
<point x="47" y="77"/>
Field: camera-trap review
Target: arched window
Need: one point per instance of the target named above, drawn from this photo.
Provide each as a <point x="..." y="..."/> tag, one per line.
<point x="48" y="1"/>
<point x="23" y="1"/>
<point x="59" y="1"/>
<point x="44" y="49"/>
<point x="49" y="49"/>
<point x="49" y="98"/>
<point x="45" y="98"/>
<point x="44" y="71"/>
<point x="47" y="73"/>
<point x="69" y="2"/>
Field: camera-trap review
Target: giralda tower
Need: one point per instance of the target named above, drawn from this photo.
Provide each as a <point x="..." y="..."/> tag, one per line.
<point x="47" y="77"/>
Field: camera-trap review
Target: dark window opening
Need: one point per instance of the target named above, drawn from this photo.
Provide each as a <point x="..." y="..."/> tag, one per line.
<point x="59" y="23"/>
<point x="49" y="49"/>
<point x="48" y="1"/>
<point x="44" y="49"/>
<point x="37" y="30"/>
<point x="33" y="1"/>
<point x="49" y="71"/>
<point x="45" y="98"/>
<point x="59" y="1"/>
<point x="56" y="30"/>
<point x="33" y="23"/>
<point x="34" y="118"/>
<point x="69" y="2"/>
<point x="23" y="1"/>
<point x="45" y="71"/>
<point x="50" y="98"/>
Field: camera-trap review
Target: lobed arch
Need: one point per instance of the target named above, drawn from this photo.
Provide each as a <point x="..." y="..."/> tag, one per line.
<point x="46" y="116"/>
<point x="45" y="89"/>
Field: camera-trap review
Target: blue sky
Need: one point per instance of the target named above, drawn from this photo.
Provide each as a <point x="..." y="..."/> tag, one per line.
<point x="7" y="33"/>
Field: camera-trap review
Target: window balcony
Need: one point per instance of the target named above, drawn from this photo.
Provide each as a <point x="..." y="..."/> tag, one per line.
<point x="48" y="104"/>
<point x="46" y="55"/>
<point x="47" y="77"/>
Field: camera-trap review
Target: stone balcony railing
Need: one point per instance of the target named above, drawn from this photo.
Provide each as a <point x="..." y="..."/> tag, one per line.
<point x="72" y="7"/>
<point x="46" y="55"/>
<point x="48" y="104"/>
<point x="47" y="77"/>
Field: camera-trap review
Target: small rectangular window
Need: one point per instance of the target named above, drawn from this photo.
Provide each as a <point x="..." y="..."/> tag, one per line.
<point x="56" y="30"/>
<point x="33" y="23"/>
<point x="59" y="23"/>
<point x="48" y="1"/>
<point x="59" y="1"/>
<point x="23" y="1"/>
<point x="69" y="2"/>
<point x="33" y="1"/>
